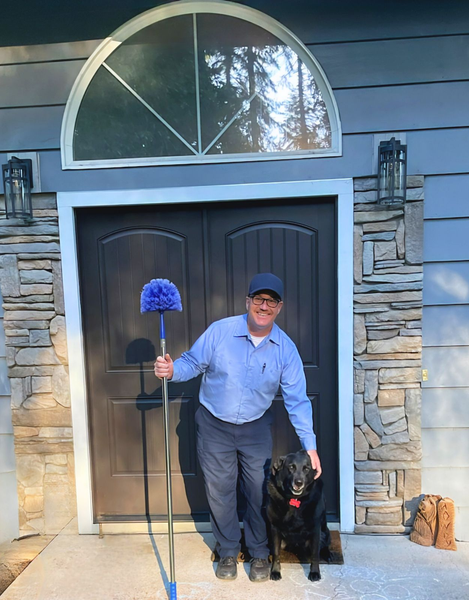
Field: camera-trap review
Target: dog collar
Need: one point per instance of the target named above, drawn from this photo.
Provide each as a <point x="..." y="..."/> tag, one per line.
<point x="295" y="503"/>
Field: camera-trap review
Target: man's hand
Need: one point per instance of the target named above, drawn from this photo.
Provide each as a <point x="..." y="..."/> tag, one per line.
<point x="164" y="367"/>
<point x="315" y="462"/>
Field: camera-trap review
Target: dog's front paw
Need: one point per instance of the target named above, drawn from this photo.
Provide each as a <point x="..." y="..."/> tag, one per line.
<point x="314" y="576"/>
<point x="326" y="555"/>
<point x="275" y="575"/>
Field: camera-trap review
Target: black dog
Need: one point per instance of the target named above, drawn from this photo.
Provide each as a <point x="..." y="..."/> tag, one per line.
<point x="296" y="509"/>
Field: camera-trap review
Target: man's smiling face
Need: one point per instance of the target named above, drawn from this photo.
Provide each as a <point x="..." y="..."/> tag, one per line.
<point x="261" y="317"/>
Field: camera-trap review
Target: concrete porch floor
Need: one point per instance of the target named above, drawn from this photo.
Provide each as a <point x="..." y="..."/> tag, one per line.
<point x="135" y="567"/>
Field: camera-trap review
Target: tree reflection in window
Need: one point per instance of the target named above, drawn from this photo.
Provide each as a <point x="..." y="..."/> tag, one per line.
<point x="201" y="85"/>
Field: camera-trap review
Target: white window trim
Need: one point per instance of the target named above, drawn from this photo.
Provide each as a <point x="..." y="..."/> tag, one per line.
<point x="341" y="188"/>
<point x="189" y="7"/>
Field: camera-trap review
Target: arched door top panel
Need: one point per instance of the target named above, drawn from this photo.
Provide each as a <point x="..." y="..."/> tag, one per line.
<point x="197" y="82"/>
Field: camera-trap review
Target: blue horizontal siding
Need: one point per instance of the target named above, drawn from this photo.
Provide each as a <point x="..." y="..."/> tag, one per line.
<point x="446" y="326"/>
<point x="446" y="240"/>
<point x="446" y="283"/>
<point x="447" y="367"/>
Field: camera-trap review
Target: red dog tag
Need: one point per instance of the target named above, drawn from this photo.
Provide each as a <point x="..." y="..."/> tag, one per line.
<point x="295" y="503"/>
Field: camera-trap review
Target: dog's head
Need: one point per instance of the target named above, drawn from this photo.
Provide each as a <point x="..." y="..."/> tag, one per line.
<point x="293" y="473"/>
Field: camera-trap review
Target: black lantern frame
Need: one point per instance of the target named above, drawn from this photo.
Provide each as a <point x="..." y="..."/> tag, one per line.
<point x="17" y="183"/>
<point x="392" y="173"/>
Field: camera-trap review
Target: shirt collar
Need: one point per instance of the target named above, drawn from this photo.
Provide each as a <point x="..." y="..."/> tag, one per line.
<point x="241" y="330"/>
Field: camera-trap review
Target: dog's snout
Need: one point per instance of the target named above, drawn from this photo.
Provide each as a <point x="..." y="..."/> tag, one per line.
<point x="299" y="481"/>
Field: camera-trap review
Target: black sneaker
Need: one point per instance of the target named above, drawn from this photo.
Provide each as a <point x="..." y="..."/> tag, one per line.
<point x="260" y="570"/>
<point x="227" y="568"/>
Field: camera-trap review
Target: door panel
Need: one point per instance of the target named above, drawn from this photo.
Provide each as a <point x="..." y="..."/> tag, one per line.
<point x="210" y="253"/>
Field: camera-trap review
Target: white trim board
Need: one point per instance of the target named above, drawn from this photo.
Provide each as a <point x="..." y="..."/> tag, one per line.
<point x="341" y="188"/>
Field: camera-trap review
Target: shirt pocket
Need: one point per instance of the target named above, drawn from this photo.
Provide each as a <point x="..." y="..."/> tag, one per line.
<point x="269" y="380"/>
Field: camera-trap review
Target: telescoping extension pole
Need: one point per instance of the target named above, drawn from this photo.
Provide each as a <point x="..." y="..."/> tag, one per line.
<point x="161" y="295"/>
<point x="169" y="495"/>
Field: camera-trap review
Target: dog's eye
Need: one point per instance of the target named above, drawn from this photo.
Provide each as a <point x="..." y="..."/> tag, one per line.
<point x="306" y="469"/>
<point x="292" y="467"/>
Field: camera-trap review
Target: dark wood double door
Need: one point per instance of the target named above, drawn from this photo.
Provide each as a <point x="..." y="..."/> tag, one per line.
<point x="210" y="252"/>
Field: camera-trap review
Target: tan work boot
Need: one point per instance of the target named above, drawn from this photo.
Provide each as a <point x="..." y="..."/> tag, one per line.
<point x="445" y="536"/>
<point x="425" y="524"/>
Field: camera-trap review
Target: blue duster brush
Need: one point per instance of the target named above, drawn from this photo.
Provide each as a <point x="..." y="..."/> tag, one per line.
<point x="161" y="295"/>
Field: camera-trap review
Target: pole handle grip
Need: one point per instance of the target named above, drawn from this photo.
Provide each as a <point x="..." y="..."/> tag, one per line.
<point x="172" y="591"/>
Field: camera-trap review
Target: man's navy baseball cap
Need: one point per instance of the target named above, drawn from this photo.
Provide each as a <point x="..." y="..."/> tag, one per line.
<point x="266" y="282"/>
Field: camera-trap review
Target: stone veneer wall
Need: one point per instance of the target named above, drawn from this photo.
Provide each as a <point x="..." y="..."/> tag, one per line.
<point x="388" y="276"/>
<point x="31" y="284"/>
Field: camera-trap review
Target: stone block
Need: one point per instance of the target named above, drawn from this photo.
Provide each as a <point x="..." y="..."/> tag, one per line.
<point x="56" y="459"/>
<point x="30" y="248"/>
<point x="371" y="386"/>
<point x="30" y="470"/>
<point x="398" y="386"/>
<point x="413" y="401"/>
<point x="61" y="386"/>
<point x="388" y="297"/>
<point x="396" y="286"/>
<point x="384" y="518"/>
<point x="381" y="334"/>
<point x="37" y="288"/>
<point x="414" y="232"/>
<point x="372" y="477"/>
<point x="368" y="259"/>
<point x="358" y="409"/>
<point x="387" y="465"/>
<point x="413" y="332"/>
<point x="392" y="414"/>
<point x="364" y="184"/>
<point x="16" y="332"/>
<point x="28" y="315"/>
<point x="39" y="401"/>
<point x="17" y="341"/>
<point x="59" y="504"/>
<point x="380" y="529"/>
<point x="22" y="432"/>
<point x="59" y="338"/>
<point x="365" y="197"/>
<point x="33" y="504"/>
<point x="359" y="334"/>
<point x="36" y="356"/>
<point x="414" y="194"/>
<point x="379" y="236"/>
<point x="396" y="316"/>
<point x="358" y="381"/>
<point x="361" y="445"/>
<point x="36" y="447"/>
<point x="394" y="345"/>
<point x="415" y="181"/>
<point x="39" y="337"/>
<point x="412" y="451"/>
<point x="41" y="385"/>
<point x="17" y="392"/>
<point x="31" y="299"/>
<point x="373" y="418"/>
<point x="377" y="226"/>
<point x="59" y="469"/>
<point x="385" y="250"/>
<point x="401" y="437"/>
<point x="393" y="397"/>
<point x="400" y="483"/>
<point x="370" y="435"/>
<point x="58" y="287"/>
<point x="400" y="243"/>
<point x="399" y="375"/>
<point x="377" y="215"/>
<point x="26" y="324"/>
<point x="392" y="484"/>
<point x="55" y="432"/>
<point x="396" y="427"/>
<point x="360" y="514"/>
<point x="31" y="276"/>
<point x="34" y="491"/>
<point x="357" y="253"/>
<point x="35" y="264"/>
<point x="52" y="417"/>
<point x="9" y="276"/>
<point x="377" y="503"/>
<point x="29" y="306"/>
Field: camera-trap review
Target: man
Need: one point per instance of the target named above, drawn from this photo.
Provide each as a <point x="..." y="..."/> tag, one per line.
<point x="243" y="360"/>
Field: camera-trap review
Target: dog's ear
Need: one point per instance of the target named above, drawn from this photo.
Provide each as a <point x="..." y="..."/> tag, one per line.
<point x="277" y="464"/>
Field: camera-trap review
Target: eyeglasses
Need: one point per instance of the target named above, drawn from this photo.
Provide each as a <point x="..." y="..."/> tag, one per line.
<point x="259" y="301"/>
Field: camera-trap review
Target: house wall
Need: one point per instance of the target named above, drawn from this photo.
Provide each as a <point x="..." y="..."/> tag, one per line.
<point x="8" y="498"/>
<point x="445" y="397"/>
<point x="390" y="72"/>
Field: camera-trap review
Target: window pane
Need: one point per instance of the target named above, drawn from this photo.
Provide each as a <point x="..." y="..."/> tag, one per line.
<point x="158" y="63"/>
<point x="248" y="73"/>
<point x="112" y="123"/>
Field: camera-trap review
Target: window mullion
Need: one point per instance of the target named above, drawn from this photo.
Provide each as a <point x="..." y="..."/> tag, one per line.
<point x="197" y="85"/>
<point x="146" y="105"/>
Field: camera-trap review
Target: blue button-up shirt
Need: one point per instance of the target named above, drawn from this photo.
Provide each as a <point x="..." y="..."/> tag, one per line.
<point x="241" y="380"/>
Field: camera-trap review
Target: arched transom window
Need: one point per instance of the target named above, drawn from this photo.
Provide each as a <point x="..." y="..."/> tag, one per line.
<point x="199" y="82"/>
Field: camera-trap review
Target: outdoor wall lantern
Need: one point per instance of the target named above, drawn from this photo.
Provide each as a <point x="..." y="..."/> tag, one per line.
<point x="17" y="183"/>
<point x="392" y="173"/>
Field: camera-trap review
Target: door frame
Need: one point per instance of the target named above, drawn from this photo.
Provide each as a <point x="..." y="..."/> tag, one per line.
<point x="341" y="189"/>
